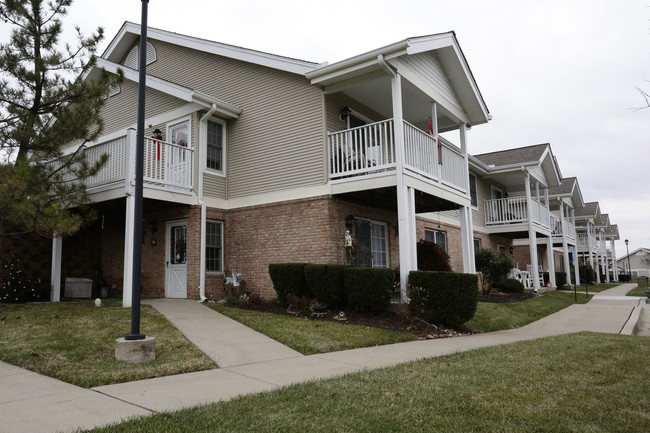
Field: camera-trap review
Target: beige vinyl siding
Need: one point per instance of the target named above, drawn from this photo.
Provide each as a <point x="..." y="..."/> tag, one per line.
<point x="537" y="173"/>
<point x="121" y="110"/>
<point x="428" y="68"/>
<point x="335" y="104"/>
<point x="278" y="142"/>
<point x="214" y="186"/>
<point x="483" y="192"/>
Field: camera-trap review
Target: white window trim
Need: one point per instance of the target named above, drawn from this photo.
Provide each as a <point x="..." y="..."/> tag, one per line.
<point x="494" y="188"/>
<point x="435" y="236"/>
<point x="385" y="240"/>
<point x="220" y="248"/>
<point x="204" y="151"/>
<point x="176" y="122"/>
<point x="476" y="189"/>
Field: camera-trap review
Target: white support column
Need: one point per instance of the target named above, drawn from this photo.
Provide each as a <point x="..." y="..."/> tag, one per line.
<point x="565" y="245"/>
<point x="55" y="275"/>
<point x="551" y="261"/>
<point x="127" y="283"/>
<point x="413" y="239"/>
<point x="466" y="223"/>
<point x="576" y="265"/>
<point x="612" y="248"/>
<point x="405" y="260"/>
<point x="590" y="247"/>
<point x="532" y="236"/>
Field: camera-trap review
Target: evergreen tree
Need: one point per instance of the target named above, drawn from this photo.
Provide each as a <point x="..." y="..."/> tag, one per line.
<point x="48" y="99"/>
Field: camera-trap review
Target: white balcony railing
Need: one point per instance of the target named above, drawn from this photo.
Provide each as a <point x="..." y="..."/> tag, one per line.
<point x="514" y="210"/>
<point x="166" y="164"/>
<point x="585" y="239"/>
<point x="563" y="227"/>
<point x="556" y="226"/>
<point x="370" y="149"/>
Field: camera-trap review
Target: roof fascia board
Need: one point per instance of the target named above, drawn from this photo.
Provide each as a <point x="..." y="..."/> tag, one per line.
<point x="257" y="57"/>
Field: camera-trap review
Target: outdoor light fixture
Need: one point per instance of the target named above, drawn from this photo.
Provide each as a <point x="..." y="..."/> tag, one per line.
<point x="345" y="113"/>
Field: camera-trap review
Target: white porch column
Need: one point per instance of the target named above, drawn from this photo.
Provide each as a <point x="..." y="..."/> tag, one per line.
<point x="466" y="223"/>
<point x="551" y="261"/>
<point x="413" y="238"/>
<point x="55" y="275"/>
<point x="576" y="265"/>
<point x="403" y="220"/>
<point x="565" y="246"/>
<point x="532" y="236"/>
<point x="612" y="248"/>
<point x="127" y="283"/>
<point x="590" y="248"/>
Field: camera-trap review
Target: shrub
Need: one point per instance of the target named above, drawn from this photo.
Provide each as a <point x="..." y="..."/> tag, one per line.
<point x="625" y="278"/>
<point x="492" y="266"/>
<point x="17" y="287"/>
<point x="443" y="297"/>
<point x="432" y="258"/>
<point x="560" y="279"/>
<point x="326" y="284"/>
<point x="368" y="289"/>
<point x="587" y="274"/>
<point x="289" y="279"/>
<point x="509" y="285"/>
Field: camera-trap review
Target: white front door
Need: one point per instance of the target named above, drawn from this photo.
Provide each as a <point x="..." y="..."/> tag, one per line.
<point x="176" y="260"/>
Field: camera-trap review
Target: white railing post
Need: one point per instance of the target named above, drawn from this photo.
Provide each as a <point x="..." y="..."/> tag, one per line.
<point x="129" y="175"/>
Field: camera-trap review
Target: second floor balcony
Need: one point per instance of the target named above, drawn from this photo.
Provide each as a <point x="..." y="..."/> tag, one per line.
<point x="563" y="227"/>
<point x="370" y="150"/>
<point x="513" y="211"/>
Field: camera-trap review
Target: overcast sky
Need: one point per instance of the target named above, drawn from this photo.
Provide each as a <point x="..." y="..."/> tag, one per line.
<point x="560" y="72"/>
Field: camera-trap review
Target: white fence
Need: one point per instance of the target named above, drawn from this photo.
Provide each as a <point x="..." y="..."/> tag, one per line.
<point x="514" y="210"/>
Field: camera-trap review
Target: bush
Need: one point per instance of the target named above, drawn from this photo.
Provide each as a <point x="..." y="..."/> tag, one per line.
<point x="368" y="289"/>
<point x="443" y="297"/>
<point x="509" y="285"/>
<point x="587" y="274"/>
<point x="326" y="284"/>
<point x="432" y="258"/>
<point x="625" y="278"/>
<point x="16" y="287"/>
<point x="289" y="279"/>
<point x="492" y="266"/>
<point x="560" y="279"/>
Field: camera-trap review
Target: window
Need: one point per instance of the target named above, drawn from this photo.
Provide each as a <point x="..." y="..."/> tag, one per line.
<point x="436" y="236"/>
<point x="372" y="243"/>
<point x="215" y="146"/>
<point x="477" y="245"/>
<point x="472" y="190"/>
<point x="179" y="133"/>
<point x="502" y="249"/>
<point x="214" y="246"/>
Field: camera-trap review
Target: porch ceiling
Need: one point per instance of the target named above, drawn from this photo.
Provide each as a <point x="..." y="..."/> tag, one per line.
<point x="386" y="198"/>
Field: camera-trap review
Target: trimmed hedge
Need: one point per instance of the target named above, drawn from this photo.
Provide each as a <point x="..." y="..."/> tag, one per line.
<point x="368" y="289"/>
<point x="432" y="258"/>
<point x="326" y="284"/>
<point x="443" y="297"/>
<point x="509" y="285"/>
<point x="289" y="279"/>
<point x="624" y="278"/>
<point x="560" y="279"/>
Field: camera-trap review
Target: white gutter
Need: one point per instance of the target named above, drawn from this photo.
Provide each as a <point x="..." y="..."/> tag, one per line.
<point x="385" y="66"/>
<point x="204" y="212"/>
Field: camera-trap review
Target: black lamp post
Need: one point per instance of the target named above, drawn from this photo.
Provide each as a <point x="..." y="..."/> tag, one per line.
<point x="629" y="267"/>
<point x="135" y="333"/>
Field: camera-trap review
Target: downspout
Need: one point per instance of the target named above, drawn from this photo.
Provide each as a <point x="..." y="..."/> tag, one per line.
<point x="385" y="66"/>
<point x="204" y="211"/>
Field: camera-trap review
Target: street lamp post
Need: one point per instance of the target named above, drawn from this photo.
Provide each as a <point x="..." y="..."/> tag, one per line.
<point x="629" y="267"/>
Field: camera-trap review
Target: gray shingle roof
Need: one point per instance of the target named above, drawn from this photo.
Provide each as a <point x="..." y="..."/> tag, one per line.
<point x="589" y="210"/>
<point x="513" y="156"/>
<point x="566" y="187"/>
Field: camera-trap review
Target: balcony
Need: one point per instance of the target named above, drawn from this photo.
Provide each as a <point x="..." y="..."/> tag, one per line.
<point x="511" y="211"/>
<point x="563" y="227"/>
<point x="167" y="166"/>
<point x="370" y="150"/>
<point x="584" y="240"/>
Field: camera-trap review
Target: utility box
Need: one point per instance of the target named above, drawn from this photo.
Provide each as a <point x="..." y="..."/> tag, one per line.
<point x="78" y="288"/>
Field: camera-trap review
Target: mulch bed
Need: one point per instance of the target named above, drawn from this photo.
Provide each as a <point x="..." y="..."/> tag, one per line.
<point x="384" y="320"/>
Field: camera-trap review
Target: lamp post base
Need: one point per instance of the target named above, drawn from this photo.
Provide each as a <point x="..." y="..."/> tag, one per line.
<point x="135" y="351"/>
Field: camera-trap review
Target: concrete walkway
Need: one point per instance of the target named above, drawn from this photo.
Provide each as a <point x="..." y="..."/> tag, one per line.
<point x="250" y="362"/>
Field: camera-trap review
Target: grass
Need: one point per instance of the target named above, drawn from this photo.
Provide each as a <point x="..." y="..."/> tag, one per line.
<point x="637" y="291"/>
<point x="75" y="342"/>
<point x="312" y="336"/>
<point x="544" y="385"/>
<point x="597" y="288"/>
<point x="495" y="317"/>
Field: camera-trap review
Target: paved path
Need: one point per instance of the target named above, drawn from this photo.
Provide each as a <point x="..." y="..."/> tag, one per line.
<point x="251" y="363"/>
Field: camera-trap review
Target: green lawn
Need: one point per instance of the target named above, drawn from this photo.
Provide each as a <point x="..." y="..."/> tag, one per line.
<point x="597" y="288"/>
<point x="583" y="382"/>
<point x="495" y="317"/>
<point x="75" y="342"/>
<point x="637" y="291"/>
<point x="312" y="336"/>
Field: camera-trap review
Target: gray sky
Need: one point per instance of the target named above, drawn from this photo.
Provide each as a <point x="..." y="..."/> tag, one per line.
<point x="562" y="72"/>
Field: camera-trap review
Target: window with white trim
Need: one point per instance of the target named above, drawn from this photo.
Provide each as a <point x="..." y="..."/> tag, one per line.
<point x="215" y="146"/>
<point x="214" y="246"/>
<point x="472" y="190"/>
<point x="372" y="243"/>
<point x="477" y="245"/>
<point x="438" y="237"/>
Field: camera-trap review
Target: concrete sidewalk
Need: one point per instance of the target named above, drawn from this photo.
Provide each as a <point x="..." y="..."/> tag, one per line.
<point x="250" y="362"/>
